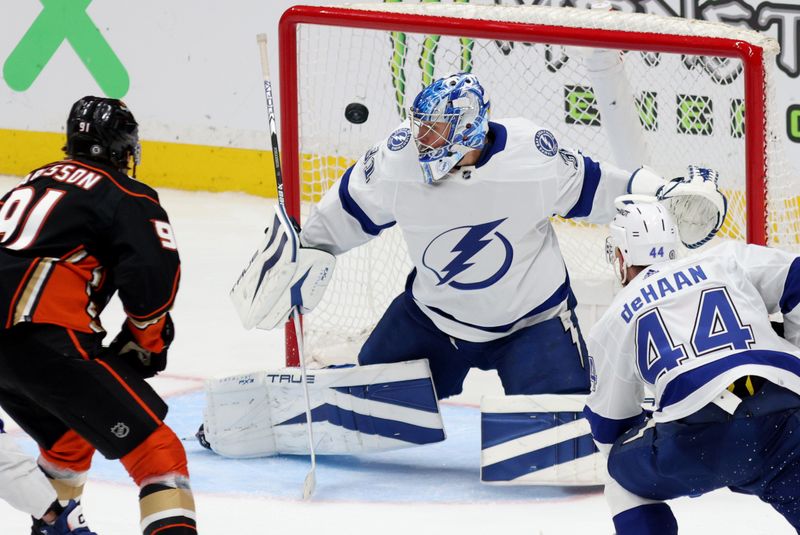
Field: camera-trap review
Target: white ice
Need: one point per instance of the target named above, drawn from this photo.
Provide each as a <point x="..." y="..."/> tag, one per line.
<point x="433" y="489"/>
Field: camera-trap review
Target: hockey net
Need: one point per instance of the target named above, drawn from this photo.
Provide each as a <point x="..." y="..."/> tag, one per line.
<point x="691" y="83"/>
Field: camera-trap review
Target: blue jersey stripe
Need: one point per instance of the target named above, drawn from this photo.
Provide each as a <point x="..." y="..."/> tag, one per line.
<point x="495" y="142"/>
<point x="690" y="381"/>
<point x="351" y="207"/>
<point x="607" y="430"/>
<point x="591" y="180"/>
<point x="562" y="293"/>
<point x="791" y="288"/>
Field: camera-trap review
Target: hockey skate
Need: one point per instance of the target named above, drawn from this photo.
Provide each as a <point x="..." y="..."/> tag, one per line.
<point x="69" y="522"/>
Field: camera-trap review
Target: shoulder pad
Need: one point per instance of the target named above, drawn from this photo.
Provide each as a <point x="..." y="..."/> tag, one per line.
<point x="399" y="139"/>
<point x="393" y="159"/>
<point x="530" y="139"/>
<point x="545" y="142"/>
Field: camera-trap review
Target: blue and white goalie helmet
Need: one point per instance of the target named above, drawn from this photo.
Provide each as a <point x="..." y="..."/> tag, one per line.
<point x="644" y="232"/>
<point x="449" y="118"/>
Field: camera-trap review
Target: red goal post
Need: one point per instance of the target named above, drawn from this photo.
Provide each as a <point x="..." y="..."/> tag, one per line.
<point x="318" y="67"/>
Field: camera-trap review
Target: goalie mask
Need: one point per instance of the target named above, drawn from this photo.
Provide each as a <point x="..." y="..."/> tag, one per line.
<point x="103" y="130"/>
<point x="449" y="118"/>
<point x="645" y="233"/>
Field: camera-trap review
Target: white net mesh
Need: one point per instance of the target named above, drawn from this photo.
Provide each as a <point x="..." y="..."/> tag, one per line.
<point x="690" y="108"/>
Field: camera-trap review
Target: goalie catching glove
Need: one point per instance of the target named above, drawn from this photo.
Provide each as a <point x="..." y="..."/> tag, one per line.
<point x="695" y="201"/>
<point x="281" y="275"/>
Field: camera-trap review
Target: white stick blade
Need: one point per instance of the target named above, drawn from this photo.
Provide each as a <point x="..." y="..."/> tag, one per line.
<point x="309" y="486"/>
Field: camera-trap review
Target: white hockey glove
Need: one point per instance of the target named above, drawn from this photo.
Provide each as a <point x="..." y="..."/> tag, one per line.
<point x="695" y="201"/>
<point x="281" y="275"/>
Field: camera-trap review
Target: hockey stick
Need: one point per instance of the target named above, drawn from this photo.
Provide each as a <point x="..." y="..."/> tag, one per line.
<point x="310" y="481"/>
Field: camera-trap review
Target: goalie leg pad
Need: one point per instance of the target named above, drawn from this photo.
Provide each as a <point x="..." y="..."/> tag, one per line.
<point x="354" y="409"/>
<point x="538" y="440"/>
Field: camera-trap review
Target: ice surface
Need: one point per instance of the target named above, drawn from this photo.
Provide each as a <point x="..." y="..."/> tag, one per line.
<point x="428" y="490"/>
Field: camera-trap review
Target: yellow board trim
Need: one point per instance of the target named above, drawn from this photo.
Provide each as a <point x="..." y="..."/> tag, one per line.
<point x="208" y="168"/>
<point x="165" y="165"/>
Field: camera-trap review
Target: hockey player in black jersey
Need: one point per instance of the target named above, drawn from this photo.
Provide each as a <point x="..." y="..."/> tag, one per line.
<point x="72" y="234"/>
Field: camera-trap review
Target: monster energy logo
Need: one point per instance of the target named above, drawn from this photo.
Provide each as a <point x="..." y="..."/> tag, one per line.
<point x="59" y="21"/>
<point x="647" y="107"/>
<point x="581" y="106"/>
<point x="426" y="61"/>
<point x="695" y="115"/>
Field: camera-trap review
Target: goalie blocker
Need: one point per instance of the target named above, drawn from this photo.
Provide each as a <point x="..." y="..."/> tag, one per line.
<point x="281" y="275"/>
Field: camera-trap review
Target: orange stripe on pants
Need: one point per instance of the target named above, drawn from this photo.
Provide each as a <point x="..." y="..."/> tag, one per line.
<point x="70" y="452"/>
<point x="177" y="528"/>
<point x="159" y="455"/>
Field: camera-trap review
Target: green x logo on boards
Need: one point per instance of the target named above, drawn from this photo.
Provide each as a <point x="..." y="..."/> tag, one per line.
<point x="65" y="20"/>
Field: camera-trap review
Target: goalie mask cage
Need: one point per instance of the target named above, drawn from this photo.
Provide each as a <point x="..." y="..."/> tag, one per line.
<point x="691" y="82"/>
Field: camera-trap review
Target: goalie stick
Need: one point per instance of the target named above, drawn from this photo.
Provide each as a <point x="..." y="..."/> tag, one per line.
<point x="310" y="481"/>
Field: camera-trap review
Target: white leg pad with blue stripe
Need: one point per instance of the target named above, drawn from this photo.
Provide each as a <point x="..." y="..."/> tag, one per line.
<point x="354" y="409"/>
<point x="538" y="440"/>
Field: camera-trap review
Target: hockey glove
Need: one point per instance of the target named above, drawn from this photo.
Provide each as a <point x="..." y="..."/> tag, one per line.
<point x="280" y="276"/>
<point x="146" y="363"/>
<point x="697" y="204"/>
<point x="70" y="521"/>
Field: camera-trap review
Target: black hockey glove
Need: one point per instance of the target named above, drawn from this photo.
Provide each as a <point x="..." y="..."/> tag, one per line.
<point x="147" y="363"/>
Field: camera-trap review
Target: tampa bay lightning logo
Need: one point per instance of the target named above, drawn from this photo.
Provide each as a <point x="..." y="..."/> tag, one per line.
<point x="398" y="139"/>
<point x="470" y="257"/>
<point x="546" y="142"/>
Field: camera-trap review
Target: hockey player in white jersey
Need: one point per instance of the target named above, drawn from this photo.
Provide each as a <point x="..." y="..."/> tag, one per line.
<point x="695" y="334"/>
<point x="26" y="488"/>
<point x="473" y="199"/>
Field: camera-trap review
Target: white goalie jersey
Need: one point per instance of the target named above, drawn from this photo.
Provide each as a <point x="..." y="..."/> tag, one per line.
<point x="486" y="257"/>
<point x="683" y="331"/>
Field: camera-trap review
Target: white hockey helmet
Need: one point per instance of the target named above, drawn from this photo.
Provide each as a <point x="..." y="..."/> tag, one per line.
<point x="644" y="232"/>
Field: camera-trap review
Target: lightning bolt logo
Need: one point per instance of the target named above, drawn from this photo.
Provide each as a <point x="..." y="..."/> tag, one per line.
<point x="476" y="238"/>
<point x="566" y="322"/>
